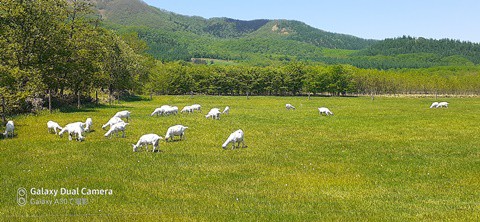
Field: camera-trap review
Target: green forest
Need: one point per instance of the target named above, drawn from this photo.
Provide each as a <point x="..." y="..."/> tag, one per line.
<point x="59" y="49"/>
<point x="70" y="52"/>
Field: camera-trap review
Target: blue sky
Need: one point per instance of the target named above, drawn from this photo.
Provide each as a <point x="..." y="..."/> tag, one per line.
<point x="372" y="19"/>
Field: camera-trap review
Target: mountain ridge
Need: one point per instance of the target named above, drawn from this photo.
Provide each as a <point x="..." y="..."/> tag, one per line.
<point x="138" y="13"/>
<point x="171" y="36"/>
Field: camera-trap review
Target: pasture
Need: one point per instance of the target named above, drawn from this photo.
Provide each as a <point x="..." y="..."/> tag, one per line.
<point x="389" y="159"/>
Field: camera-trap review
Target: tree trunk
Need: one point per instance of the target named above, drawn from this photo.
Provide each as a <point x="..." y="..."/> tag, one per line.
<point x="3" y="110"/>
<point x="78" y="100"/>
<point x="110" y="94"/>
<point x="50" y="101"/>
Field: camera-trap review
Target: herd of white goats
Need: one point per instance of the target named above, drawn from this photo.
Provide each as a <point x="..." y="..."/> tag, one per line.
<point x="116" y="124"/>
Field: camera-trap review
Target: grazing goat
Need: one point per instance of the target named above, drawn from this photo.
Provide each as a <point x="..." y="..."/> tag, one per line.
<point x="289" y="106"/>
<point x="114" y="120"/>
<point x="226" y="110"/>
<point x="442" y="104"/>
<point x="214" y="113"/>
<point x="196" y="107"/>
<point x="53" y="127"/>
<point x="9" y="129"/>
<point x="171" y="110"/>
<point x="158" y="111"/>
<point x="177" y="130"/>
<point x="123" y="114"/>
<point x="324" y="110"/>
<point x="120" y="126"/>
<point x="75" y="129"/>
<point x="439" y="105"/>
<point x="165" y="110"/>
<point x="161" y="110"/>
<point x="187" y="109"/>
<point x="88" y="124"/>
<point x="147" y="139"/>
<point x="235" y="137"/>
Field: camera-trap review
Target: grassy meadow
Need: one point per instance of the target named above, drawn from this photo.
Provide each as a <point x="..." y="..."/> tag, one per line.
<point x="390" y="159"/>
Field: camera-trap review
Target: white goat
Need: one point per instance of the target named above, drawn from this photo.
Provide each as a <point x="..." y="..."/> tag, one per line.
<point x="196" y="107"/>
<point x="88" y="124"/>
<point x="324" y="110"/>
<point x="289" y="106"/>
<point x="171" y="110"/>
<point x="442" y="104"/>
<point x="434" y="105"/>
<point x="70" y="126"/>
<point x="165" y="110"/>
<point x="214" y="113"/>
<point x="147" y="139"/>
<point x="120" y="126"/>
<point x="161" y="110"/>
<point x="75" y="129"/>
<point x="235" y="137"/>
<point x="114" y="120"/>
<point x="226" y="110"/>
<point x="177" y="130"/>
<point x="187" y="109"/>
<point x="123" y="114"/>
<point x="158" y="111"/>
<point x="9" y="129"/>
<point x="53" y="127"/>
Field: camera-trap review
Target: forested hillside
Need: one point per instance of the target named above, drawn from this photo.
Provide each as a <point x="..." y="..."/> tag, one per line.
<point x="172" y="37"/>
<point x="449" y="49"/>
<point x="136" y="13"/>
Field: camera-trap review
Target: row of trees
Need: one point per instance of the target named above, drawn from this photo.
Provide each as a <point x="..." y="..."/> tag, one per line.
<point x="296" y="78"/>
<point x="56" y="47"/>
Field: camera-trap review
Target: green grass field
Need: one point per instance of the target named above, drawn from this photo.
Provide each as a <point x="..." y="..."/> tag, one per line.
<point x="391" y="159"/>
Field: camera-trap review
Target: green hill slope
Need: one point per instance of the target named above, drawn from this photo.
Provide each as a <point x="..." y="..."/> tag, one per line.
<point x="166" y="31"/>
<point x="445" y="49"/>
<point x="172" y="36"/>
<point x="301" y="32"/>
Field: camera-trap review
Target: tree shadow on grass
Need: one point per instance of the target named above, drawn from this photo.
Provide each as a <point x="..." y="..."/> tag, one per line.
<point x="134" y="98"/>
<point x="90" y="108"/>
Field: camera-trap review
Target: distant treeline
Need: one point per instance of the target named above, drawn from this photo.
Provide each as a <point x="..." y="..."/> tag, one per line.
<point x="297" y="78"/>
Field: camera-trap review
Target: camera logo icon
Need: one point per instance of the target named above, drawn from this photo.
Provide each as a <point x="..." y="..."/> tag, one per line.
<point x="22" y="196"/>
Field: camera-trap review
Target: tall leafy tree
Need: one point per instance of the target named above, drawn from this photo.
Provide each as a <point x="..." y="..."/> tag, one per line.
<point x="58" y="46"/>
